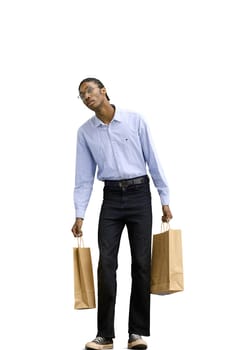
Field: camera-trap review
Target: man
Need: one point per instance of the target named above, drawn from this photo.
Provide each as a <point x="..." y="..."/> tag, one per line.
<point x="118" y="145"/>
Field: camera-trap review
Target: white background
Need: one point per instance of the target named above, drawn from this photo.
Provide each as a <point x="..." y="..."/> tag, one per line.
<point x="171" y="61"/>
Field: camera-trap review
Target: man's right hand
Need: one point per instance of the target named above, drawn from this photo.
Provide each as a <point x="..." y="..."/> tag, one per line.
<point x="77" y="227"/>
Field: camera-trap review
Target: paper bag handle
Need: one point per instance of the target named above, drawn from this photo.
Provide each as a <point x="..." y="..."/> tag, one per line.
<point x="165" y="226"/>
<point x="80" y="242"/>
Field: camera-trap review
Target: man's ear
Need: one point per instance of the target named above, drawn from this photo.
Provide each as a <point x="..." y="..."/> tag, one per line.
<point x="103" y="91"/>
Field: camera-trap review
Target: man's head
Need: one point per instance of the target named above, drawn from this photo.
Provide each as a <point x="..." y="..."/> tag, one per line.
<point x="92" y="92"/>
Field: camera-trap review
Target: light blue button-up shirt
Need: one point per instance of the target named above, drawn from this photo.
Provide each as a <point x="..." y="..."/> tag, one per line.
<point x="120" y="150"/>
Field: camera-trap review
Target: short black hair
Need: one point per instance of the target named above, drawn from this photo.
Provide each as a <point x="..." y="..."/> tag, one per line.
<point x="96" y="81"/>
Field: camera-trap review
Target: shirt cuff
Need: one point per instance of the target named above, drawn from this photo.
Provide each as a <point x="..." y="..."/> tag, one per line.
<point x="164" y="199"/>
<point x="79" y="213"/>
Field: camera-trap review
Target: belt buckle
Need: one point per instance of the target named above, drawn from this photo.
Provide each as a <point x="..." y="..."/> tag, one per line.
<point x="123" y="184"/>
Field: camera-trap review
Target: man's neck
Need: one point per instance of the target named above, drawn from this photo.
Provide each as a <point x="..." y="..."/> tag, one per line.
<point x="106" y="113"/>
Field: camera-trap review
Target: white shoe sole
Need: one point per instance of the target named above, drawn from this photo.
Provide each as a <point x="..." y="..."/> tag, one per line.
<point x="94" y="346"/>
<point x="137" y="344"/>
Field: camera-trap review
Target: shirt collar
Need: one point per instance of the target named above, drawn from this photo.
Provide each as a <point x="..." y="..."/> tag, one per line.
<point x="116" y="118"/>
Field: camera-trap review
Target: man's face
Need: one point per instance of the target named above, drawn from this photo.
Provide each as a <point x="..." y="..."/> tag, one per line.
<point x="91" y="95"/>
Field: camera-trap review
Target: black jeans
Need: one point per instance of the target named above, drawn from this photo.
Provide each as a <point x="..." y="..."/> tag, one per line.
<point x="129" y="206"/>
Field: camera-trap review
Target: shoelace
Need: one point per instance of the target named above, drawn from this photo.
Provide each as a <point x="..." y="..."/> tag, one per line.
<point x="134" y="337"/>
<point x="99" y="340"/>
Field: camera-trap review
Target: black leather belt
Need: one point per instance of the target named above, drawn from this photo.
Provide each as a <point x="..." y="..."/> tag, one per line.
<point x="127" y="182"/>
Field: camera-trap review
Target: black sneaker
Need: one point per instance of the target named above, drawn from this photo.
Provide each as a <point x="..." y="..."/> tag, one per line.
<point x="100" y="343"/>
<point x="136" y="342"/>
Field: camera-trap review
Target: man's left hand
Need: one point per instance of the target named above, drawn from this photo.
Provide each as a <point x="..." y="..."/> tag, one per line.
<point x="167" y="215"/>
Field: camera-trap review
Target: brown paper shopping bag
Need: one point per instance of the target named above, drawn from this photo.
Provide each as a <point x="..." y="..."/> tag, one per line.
<point x="84" y="289"/>
<point x="167" y="262"/>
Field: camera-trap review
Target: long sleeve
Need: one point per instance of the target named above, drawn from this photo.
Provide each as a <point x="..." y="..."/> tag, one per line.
<point x="154" y="164"/>
<point x="84" y="176"/>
